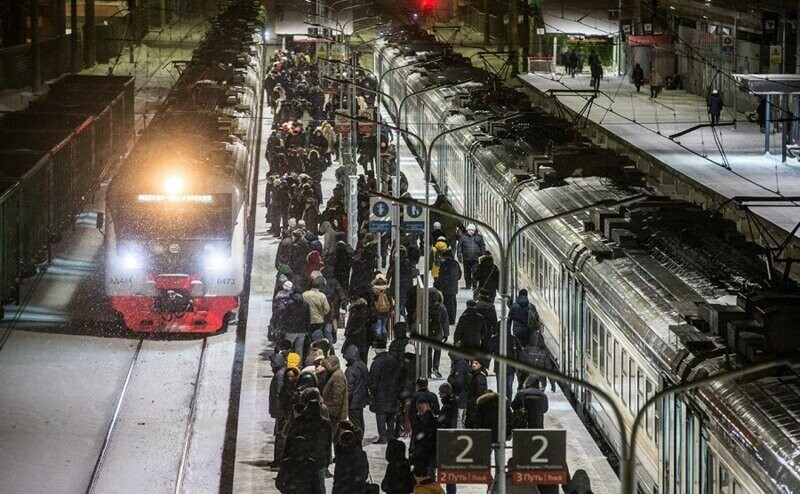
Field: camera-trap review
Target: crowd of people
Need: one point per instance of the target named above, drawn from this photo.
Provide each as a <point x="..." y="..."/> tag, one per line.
<point x="325" y="290"/>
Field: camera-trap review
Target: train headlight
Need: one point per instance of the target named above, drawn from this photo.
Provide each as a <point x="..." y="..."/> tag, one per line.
<point x="131" y="261"/>
<point x="215" y="258"/>
<point x="173" y="184"/>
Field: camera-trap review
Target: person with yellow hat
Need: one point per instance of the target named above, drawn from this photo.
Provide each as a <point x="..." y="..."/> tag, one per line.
<point x="436" y="257"/>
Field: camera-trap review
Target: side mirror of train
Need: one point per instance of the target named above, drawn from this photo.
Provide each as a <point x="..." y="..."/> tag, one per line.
<point x="101" y="217"/>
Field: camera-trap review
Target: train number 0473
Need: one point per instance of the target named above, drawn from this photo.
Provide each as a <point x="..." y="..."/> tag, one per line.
<point x="226" y="281"/>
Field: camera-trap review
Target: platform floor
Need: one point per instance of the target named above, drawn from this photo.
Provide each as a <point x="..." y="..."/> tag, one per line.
<point x="254" y="441"/>
<point x="646" y="123"/>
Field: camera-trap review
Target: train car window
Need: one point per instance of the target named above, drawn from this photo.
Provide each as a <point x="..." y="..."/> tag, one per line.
<point x="601" y="349"/>
<point x="724" y="481"/>
<point x="616" y="367"/>
<point x="595" y="336"/>
<point x="737" y="489"/>
<point x="640" y="396"/>
<point x="610" y="360"/>
<point x="623" y="385"/>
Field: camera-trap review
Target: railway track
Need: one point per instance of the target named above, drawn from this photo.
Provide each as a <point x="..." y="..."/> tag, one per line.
<point x="116" y="421"/>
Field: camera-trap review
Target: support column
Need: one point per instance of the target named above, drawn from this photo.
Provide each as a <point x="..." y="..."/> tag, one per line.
<point x="89" y="52"/>
<point x="35" y="53"/>
<point x="73" y="37"/>
<point x="767" y="123"/>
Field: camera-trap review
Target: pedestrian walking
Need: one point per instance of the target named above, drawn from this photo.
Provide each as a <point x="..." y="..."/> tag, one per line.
<point x="384" y="380"/>
<point x="357" y="381"/>
<point x="714" y="107"/>
<point x="422" y="451"/>
<point x="655" y="83"/>
<point x="487" y="276"/>
<point x="334" y="393"/>
<point x="478" y="385"/>
<point x="471" y="329"/>
<point x="470" y="249"/>
<point x="447" y="283"/>
<point x="398" y="478"/>
<point x="637" y="77"/>
<point x="459" y="379"/>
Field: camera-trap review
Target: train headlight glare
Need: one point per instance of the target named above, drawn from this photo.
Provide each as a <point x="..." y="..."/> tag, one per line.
<point x="131" y="261"/>
<point x="214" y="257"/>
<point x="173" y="185"/>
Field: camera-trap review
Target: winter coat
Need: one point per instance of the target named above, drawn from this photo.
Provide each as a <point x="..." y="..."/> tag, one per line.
<point x="428" y="486"/>
<point x="535" y="403"/>
<point x="352" y="470"/>
<point x="384" y="381"/>
<point x="398" y="346"/>
<point x="343" y="258"/>
<point x="362" y="272"/>
<point x="292" y="313"/>
<point x="477" y="387"/>
<point x="318" y="306"/>
<point x="357" y="330"/>
<point x="471" y="329"/>
<point x="313" y="263"/>
<point x="278" y="363"/>
<point x="448" y="415"/>
<point x="335" y="392"/>
<point x="398" y="478"/>
<point x="638" y="75"/>
<point x="328" y="239"/>
<point x="423" y="440"/>
<point x="449" y="276"/>
<point x="334" y="291"/>
<point x="436" y="257"/>
<point x="357" y="378"/>
<point x="487" y="413"/>
<point x="283" y="254"/>
<point x="513" y="349"/>
<point x="313" y="242"/>
<point x="293" y="477"/>
<point x="330" y="136"/>
<point x="408" y="380"/>
<point x="298" y="257"/>
<point x="486" y="273"/>
<point x="655" y="79"/>
<point x="313" y="428"/>
<point x="487" y="310"/>
<point x="470" y="247"/>
<point x="311" y="216"/>
<point x="518" y="314"/>
<point x="459" y="378"/>
<point x="430" y="396"/>
<point x="715" y="104"/>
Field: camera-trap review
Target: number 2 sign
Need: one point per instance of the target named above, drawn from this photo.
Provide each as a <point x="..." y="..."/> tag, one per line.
<point x="540" y="456"/>
<point x="464" y="456"/>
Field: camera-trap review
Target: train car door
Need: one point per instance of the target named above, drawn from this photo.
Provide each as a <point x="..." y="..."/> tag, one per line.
<point x="469" y="186"/>
<point x="573" y="344"/>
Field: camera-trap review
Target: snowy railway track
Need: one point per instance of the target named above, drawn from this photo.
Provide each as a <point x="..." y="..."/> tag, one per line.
<point x="123" y="401"/>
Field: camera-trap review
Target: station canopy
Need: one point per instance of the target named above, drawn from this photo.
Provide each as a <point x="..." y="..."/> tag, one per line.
<point x="571" y="21"/>
<point x="768" y="84"/>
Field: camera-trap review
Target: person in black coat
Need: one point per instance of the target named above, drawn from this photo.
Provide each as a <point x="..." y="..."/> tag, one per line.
<point x="398" y="344"/>
<point x="423" y="436"/>
<point x="471" y="328"/>
<point x="470" y="248"/>
<point x="447" y="283"/>
<point x="519" y="316"/>
<point x="533" y="400"/>
<point x="485" y="307"/>
<point x="357" y="330"/>
<point x="422" y="393"/>
<point x="309" y="425"/>
<point x="487" y="275"/>
<point x="478" y="386"/>
<point x="406" y="278"/>
<point x="513" y="350"/>
<point x="459" y="382"/>
<point x="384" y="382"/>
<point x="714" y="106"/>
<point x="638" y="77"/>
<point x="487" y="414"/>
<point x="290" y="311"/>
<point x="352" y="467"/>
<point x="343" y="258"/>
<point x="298" y="258"/>
<point x="357" y="379"/>
<point x="293" y="475"/>
<point x="447" y="418"/>
<point x="398" y="478"/>
<point x="362" y="273"/>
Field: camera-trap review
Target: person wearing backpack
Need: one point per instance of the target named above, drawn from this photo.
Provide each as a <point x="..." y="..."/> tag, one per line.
<point x="447" y="283"/>
<point x="436" y="257"/>
<point x="381" y="305"/>
<point x="438" y="329"/>
<point x="535" y="353"/>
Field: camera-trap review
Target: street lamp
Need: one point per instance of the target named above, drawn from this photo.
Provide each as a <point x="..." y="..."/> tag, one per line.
<point x="502" y="330"/>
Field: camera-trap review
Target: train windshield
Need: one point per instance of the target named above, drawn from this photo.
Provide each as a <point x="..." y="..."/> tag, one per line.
<point x="184" y="217"/>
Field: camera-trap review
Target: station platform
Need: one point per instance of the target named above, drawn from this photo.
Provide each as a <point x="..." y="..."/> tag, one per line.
<point x="254" y="449"/>
<point x="708" y="166"/>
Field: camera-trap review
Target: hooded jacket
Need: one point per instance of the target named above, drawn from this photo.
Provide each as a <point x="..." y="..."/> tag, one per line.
<point x="335" y="392"/>
<point x="328" y="238"/>
<point x="312" y="427"/>
<point x="535" y="403"/>
<point x="423" y="440"/>
<point x="356" y="330"/>
<point x="459" y="378"/>
<point x="478" y="386"/>
<point x="518" y="315"/>
<point x="436" y="260"/>
<point x="398" y="478"/>
<point x="318" y="306"/>
<point x="384" y="383"/>
<point x="352" y="469"/>
<point x="487" y="413"/>
<point x="471" y="328"/>
<point x="278" y="362"/>
<point x="291" y="312"/>
<point x="486" y="273"/>
<point x="449" y="275"/>
<point x="357" y="378"/>
<point x="313" y="263"/>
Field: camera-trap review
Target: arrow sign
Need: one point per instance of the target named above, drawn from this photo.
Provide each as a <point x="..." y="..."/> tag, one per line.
<point x="379" y="217"/>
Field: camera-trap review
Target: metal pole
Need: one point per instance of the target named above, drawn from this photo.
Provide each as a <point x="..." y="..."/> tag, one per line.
<point x="734" y="69"/>
<point x="767" y="123"/>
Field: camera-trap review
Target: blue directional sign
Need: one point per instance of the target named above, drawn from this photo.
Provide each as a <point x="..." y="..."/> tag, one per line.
<point x="380" y="215"/>
<point x="413" y="220"/>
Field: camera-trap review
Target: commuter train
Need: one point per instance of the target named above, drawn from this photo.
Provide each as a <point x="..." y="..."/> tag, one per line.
<point x="176" y="213"/>
<point x="632" y="298"/>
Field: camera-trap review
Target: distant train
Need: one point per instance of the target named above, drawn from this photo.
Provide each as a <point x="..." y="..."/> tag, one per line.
<point x="176" y="212"/>
<point x="632" y="299"/>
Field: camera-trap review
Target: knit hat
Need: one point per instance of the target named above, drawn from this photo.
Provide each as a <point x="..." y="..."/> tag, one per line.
<point x="436" y="225"/>
<point x="288" y="286"/>
<point x="471" y="227"/>
<point x="285" y="269"/>
<point x="440" y="245"/>
<point x="292" y="360"/>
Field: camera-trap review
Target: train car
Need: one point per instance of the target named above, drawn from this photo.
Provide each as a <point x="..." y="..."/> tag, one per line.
<point x="176" y="214"/>
<point x="54" y="154"/>
<point x="632" y="299"/>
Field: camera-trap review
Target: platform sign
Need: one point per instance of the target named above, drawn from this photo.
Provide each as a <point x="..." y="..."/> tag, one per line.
<point x="464" y="456"/>
<point x="366" y="128"/>
<point x="775" y="54"/>
<point x="413" y="220"/>
<point x="341" y="122"/>
<point x="379" y="215"/>
<point x="540" y="457"/>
